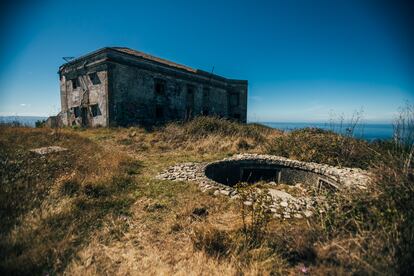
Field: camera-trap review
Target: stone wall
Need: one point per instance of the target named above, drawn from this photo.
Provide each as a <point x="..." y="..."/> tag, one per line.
<point x="84" y="103"/>
<point x="295" y="171"/>
<point x="135" y="98"/>
<point x="293" y="192"/>
<point x="133" y="90"/>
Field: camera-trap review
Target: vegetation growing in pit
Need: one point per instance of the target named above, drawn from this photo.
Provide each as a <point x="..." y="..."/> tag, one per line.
<point x="96" y="209"/>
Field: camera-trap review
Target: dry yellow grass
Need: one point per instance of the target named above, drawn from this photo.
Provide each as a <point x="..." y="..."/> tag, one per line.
<point x="86" y="224"/>
<point x="97" y="209"/>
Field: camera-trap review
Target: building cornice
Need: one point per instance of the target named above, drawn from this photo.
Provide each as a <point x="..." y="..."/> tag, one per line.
<point x="114" y="56"/>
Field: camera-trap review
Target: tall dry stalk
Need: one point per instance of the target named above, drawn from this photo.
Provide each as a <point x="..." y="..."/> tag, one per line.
<point x="403" y="138"/>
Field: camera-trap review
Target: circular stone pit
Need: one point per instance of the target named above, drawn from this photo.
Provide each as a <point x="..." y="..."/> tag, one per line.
<point x="221" y="177"/>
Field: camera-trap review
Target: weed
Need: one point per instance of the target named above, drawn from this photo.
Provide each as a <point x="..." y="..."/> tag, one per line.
<point x="97" y="208"/>
<point x="157" y="206"/>
<point x="216" y="243"/>
<point x="255" y="212"/>
<point x="200" y="212"/>
<point x="70" y="187"/>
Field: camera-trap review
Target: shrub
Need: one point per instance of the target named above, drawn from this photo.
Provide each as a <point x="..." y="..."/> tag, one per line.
<point x="245" y="243"/>
<point x="377" y="225"/>
<point x="70" y="187"/>
<point x="216" y="243"/>
<point x="255" y="213"/>
<point x="40" y="123"/>
<point x="317" y="145"/>
<point x="203" y="126"/>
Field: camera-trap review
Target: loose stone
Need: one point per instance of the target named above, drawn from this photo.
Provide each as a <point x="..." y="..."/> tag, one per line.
<point x="308" y="213"/>
<point x="224" y="192"/>
<point x="298" y="216"/>
<point x="291" y="200"/>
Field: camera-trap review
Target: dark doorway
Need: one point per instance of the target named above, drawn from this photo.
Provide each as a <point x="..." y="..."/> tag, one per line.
<point x="190" y="102"/>
<point x="159" y="112"/>
<point x="206" y="102"/>
<point x="84" y="115"/>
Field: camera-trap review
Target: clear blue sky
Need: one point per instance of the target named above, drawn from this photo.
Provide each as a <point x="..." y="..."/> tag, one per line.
<point x="303" y="59"/>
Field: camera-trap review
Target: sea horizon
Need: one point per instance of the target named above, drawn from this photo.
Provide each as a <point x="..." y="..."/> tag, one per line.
<point x="363" y="130"/>
<point x="367" y="131"/>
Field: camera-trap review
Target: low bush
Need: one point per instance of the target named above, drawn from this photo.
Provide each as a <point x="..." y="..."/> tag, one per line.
<point x="322" y="146"/>
<point x="203" y="126"/>
<point x="377" y="225"/>
<point x="40" y="123"/>
<point x="360" y="232"/>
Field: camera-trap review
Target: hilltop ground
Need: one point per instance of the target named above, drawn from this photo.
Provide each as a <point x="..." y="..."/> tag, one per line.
<point x="97" y="208"/>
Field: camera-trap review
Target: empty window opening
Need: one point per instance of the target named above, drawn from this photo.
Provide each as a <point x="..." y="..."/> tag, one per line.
<point x="190" y="95"/>
<point x="159" y="112"/>
<point x="159" y="86"/>
<point x="236" y="116"/>
<point x="84" y="116"/>
<point x="95" y="110"/>
<point x="234" y="99"/>
<point x="76" y="111"/>
<point x="206" y="102"/>
<point x="75" y="83"/>
<point x="94" y="78"/>
<point x="188" y="113"/>
<point x="206" y="92"/>
<point x="190" y="102"/>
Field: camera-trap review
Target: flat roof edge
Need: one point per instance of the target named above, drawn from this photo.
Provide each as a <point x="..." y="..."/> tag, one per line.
<point x="82" y="57"/>
<point x="198" y="72"/>
<point x="238" y="81"/>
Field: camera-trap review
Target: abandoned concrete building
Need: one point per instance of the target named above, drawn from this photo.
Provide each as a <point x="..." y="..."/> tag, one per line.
<point x="116" y="86"/>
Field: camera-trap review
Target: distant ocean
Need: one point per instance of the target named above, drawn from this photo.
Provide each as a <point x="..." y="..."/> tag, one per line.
<point x="29" y="121"/>
<point x="364" y="131"/>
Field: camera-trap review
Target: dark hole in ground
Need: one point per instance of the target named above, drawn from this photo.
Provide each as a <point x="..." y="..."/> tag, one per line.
<point x="232" y="172"/>
<point x="253" y="175"/>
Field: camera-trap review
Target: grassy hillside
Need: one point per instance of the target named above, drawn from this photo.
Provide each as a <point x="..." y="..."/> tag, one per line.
<point x="97" y="209"/>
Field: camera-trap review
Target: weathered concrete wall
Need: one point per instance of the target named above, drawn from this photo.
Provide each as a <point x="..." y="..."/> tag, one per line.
<point x="129" y="92"/>
<point x="98" y="95"/>
<point x="90" y="99"/>
<point x="238" y="110"/>
<point x="136" y="100"/>
<point x="63" y="101"/>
